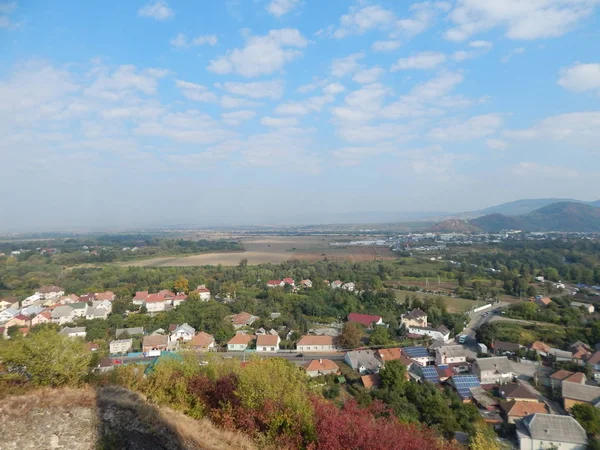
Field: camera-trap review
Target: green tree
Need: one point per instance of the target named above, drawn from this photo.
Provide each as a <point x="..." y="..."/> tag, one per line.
<point x="181" y="284"/>
<point x="393" y="376"/>
<point x="350" y="336"/>
<point x="381" y="336"/>
<point x="588" y="417"/>
<point x="483" y="439"/>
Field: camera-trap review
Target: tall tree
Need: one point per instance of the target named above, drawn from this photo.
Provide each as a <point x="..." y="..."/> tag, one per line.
<point x="350" y="336"/>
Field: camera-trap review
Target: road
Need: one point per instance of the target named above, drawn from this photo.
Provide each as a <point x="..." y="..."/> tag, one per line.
<point x="291" y="356"/>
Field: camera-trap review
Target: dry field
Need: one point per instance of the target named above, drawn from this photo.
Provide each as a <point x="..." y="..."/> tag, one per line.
<point x="275" y="250"/>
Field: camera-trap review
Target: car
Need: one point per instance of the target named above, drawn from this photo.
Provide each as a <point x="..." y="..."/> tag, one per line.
<point x="300" y="355"/>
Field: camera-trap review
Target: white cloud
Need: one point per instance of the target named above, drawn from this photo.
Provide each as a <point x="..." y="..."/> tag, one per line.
<point x="474" y="128"/>
<point x="237" y="117"/>
<point x="385" y="46"/>
<point x="422" y="60"/>
<point x="306" y="88"/>
<point x="181" y="40"/>
<point x="229" y="102"/>
<point x="6" y="9"/>
<point x="125" y="79"/>
<point x="196" y="92"/>
<point x="497" y="144"/>
<point x="486" y="45"/>
<point x="158" y="10"/>
<point x="578" y="128"/>
<point x="423" y="16"/>
<point x="361" y="105"/>
<point x="301" y="108"/>
<point x="257" y="89"/>
<point x="279" y="122"/>
<point x="533" y="169"/>
<point x="581" y="77"/>
<point x="210" y="39"/>
<point x="359" y="21"/>
<point x="280" y="8"/>
<point x="262" y="55"/>
<point x="524" y="20"/>
<point x="517" y="51"/>
<point x="333" y="88"/>
<point x="368" y="75"/>
<point x="343" y="66"/>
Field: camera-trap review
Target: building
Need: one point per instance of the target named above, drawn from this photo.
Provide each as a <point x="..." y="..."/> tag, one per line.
<point x="156" y="302"/>
<point x="372" y="380"/>
<point x="515" y="411"/>
<point x="106" y="295"/>
<point x="418" y="354"/>
<point x="20" y="320"/>
<point x="203" y="293"/>
<point x="43" y="317"/>
<point x="594" y="361"/>
<point x="440" y="333"/>
<point x="243" y="319"/>
<point x="139" y="298"/>
<point x="306" y="283"/>
<point x="589" y="309"/>
<point x="393" y="354"/>
<point x="268" y="343"/>
<point x="183" y="332"/>
<point x="120" y="346"/>
<point x="502" y="348"/>
<point x="8" y="314"/>
<point x="50" y="292"/>
<point x="79" y="308"/>
<point x="63" y="314"/>
<point x="129" y="331"/>
<point x="316" y="344"/>
<point x="349" y="287"/>
<point x="575" y="393"/>
<point x="414" y="318"/>
<point x="363" y="361"/>
<point x="155" y="342"/>
<point x="318" y="367"/>
<point x="289" y="281"/>
<point x="202" y="341"/>
<point x="558" y="377"/>
<point x="336" y="284"/>
<point x="517" y="393"/>
<point x="239" y="342"/>
<point x="32" y="300"/>
<point x="275" y="283"/>
<point x="542" y="301"/>
<point x="494" y="370"/>
<point x="73" y="332"/>
<point x="539" y="431"/>
<point x="179" y="299"/>
<point x="96" y="313"/>
<point x="366" y="320"/>
<point x="463" y="384"/>
<point x="450" y="354"/>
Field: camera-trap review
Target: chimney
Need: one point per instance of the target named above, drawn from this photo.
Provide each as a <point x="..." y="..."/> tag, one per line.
<point x="320" y="361"/>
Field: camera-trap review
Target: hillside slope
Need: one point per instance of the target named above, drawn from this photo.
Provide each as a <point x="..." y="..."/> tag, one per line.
<point x="106" y="418"/>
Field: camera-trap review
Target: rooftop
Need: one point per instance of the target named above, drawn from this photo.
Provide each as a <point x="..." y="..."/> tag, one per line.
<point x="316" y="340"/>
<point x="581" y="392"/>
<point x="499" y="364"/>
<point x="320" y="365"/>
<point x="553" y="428"/>
<point x="267" y="340"/>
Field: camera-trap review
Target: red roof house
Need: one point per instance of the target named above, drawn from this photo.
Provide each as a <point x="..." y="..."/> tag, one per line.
<point x="365" y="319"/>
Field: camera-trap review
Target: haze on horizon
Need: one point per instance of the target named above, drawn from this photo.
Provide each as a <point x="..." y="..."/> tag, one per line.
<point x="148" y="114"/>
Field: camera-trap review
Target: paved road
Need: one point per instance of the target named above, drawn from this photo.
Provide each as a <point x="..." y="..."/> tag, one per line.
<point x="475" y="321"/>
<point x="291" y="356"/>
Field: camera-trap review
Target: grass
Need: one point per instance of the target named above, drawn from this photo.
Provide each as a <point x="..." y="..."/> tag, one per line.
<point x="453" y="304"/>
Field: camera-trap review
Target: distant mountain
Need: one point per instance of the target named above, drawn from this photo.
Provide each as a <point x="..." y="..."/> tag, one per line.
<point x="454" y="226"/>
<point x="519" y="207"/>
<point x="494" y="223"/>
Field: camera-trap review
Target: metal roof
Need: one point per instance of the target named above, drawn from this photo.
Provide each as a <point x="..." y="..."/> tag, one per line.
<point x="464" y="383"/>
<point x="553" y="428"/>
<point x="430" y="374"/>
<point x="415" y="352"/>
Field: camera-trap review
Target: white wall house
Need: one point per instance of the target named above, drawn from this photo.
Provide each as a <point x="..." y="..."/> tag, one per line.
<point x="441" y="332"/>
<point x="120" y="346"/>
<point x="542" y="431"/>
<point x="239" y="342"/>
<point x="155" y="305"/>
<point x="183" y="332"/>
<point x="32" y="300"/>
<point x="315" y="344"/>
<point x="450" y="354"/>
<point x="268" y="343"/>
<point x="62" y="315"/>
<point x="495" y="370"/>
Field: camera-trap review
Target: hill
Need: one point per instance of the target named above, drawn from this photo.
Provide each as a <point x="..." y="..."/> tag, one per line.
<point x="494" y="223"/>
<point x="454" y="226"/>
<point x="518" y="207"/>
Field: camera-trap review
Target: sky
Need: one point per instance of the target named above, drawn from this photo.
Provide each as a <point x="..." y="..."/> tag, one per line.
<point x="124" y="114"/>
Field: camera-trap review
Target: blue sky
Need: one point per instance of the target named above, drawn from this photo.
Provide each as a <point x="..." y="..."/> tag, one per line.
<point x="132" y="114"/>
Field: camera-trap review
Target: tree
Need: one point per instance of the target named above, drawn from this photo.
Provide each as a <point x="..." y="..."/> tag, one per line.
<point x="381" y="336"/>
<point x="350" y="336"/>
<point x="393" y="375"/>
<point x="588" y="417"/>
<point x="181" y="284"/>
<point x="483" y="440"/>
<point x="243" y="263"/>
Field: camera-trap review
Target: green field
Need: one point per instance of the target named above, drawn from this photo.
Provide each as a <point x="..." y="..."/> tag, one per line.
<point x="453" y="304"/>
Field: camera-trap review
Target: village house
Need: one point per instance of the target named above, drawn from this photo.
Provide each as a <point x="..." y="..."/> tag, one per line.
<point x="139" y="298"/>
<point x="43" y="317"/>
<point x="289" y="281"/>
<point x="514" y="411"/>
<point x="349" y="287"/>
<point x="546" y="430"/>
<point x="63" y="314"/>
<point x="66" y="299"/>
<point x="239" y="342"/>
<point x="494" y="370"/>
<point x="542" y="301"/>
<point x="275" y="283"/>
<point x="243" y="319"/>
<point x="268" y="343"/>
<point x="318" y="367"/>
<point x="316" y="344"/>
<point x="183" y="332"/>
<point x="35" y="299"/>
<point x="155" y="342"/>
<point x="575" y="393"/>
<point x="517" y="393"/>
<point x="79" y="308"/>
<point x="558" y="377"/>
<point x="594" y="362"/>
<point x="203" y="293"/>
<point x="440" y="333"/>
<point x="450" y="354"/>
<point x="336" y="284"/>
<point x="20" y="320"/>
<point x="366" y="320"/>
<point x="156" y="302"/>
<point x="73" y="332"/>
<point x="103" y="304"/>
<point x="580" y="351"/>
<point x="129" y="331"/>
<point x="96" y="313"/>
<point x="414" y="318"/>
<point x="32" y="310"/>
<point x="202" y="341"/>
<point x="589" y="309"/>
<point x="120" y="346"/>
<point x="5" y="303"/>
<point x="306" y="283"/>
<point x="179" y="299"/>
<point x="50" y="292"/>
<point x="372" y="380"/>
<point x="106" y="295"/>
<point x="363" y="361"/>
<point x="419" y="355"/>
<point x="8" y="314"/>
<point x="501" y="348"/>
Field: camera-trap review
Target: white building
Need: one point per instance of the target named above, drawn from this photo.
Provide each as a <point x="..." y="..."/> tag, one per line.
<point x="96" y="313"/>
<point x="268" y="343"/>
<point x="348" y="287"/>
<point x="542" y="431"/>
<point x="73" y="332"/>
<point x="183" y="332"/>
<point x="103" y="304"/>
<point x="589" y="308"/>
<point x="315" y="344"/>
<point x="239" y="342"/>
<point x="79" y="309"/>
<point x="62" y="314"/>
<point x="450" y="354"/>
<point x="50" y="292"/>
<point x="34" y="299"/>
<point x="203" y="293"/>
<point x="441" y="332"/>
<point x="120" y="346"/>
<point x="495" y="370"/>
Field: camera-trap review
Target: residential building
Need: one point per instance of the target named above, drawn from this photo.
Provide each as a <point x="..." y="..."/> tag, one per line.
<point x="275" y="283"/>
<point x="73" y="332"/>
<point x="542" y="301"/>
<point x="4" y="304"/>
<point x="594" y="361"/>
<point x="156" y="302"/>
<point x="103" y="304"/>
<point x="349" y="287"/>
<point x="34" y="299"/>
<point x="494" y="370"/>
<point x="63" y="314"/>
<point x="580" y="351"/>
<point x="129" y="331"/>
<point x="140" y="297"/>
<point x="589" y="309"/>
<point x="167" y="294"/>
<point x="243" y="319"/>
<point x="501" y="348"/>
<point x="315" y="344"/>
<point x="239" y="342"/>
<point x="558" y="377"/>
<point x="50" y="292"/>
<point x="372" y="380"/>
<point x="179" y="299"/>
<point x="539" y="431"/>
<point x="183" y="332"/>
<point x="575" y="393"/>
<point x="203" y="293"/>
<point x="450" y="354"/>
<point x="202" y="341"/>
<point x="96" y="313"/>
<point x="306" y="283"/>
<point x="268" y="343"/>
<point x="366" y="320"/>
<point x="414" y="318"/>
<point x="517" y="393"/>
<point x="336" y="284"/>
<point x="318" y="367"/>
<point x="393" y="354"/>
<point x="20" y="320"/>
<point x="419" y="355"/>
<point x="79" y="308"/>
<point x="155" y="342"/>
<point x="289" y="281"/>
<point x="65" y="300"/>
<point x="32" y="310"/>
<point x="515" y="411"/>
<point x="43" y="317"/>
<point x="120" y="346"/>
<point x="363" y="361"/>
<point x="441" y="332"/>
<point x="106" y="295"/>
<point x="540" y="348"/>
<point x="8" y="314"/>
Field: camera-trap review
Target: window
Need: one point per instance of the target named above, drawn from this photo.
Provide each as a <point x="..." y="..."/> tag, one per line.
<point x="272" y="349"/>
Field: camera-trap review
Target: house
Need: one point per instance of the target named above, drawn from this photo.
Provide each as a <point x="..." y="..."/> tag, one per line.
<point x="441" y="332"/>
<point x="594" y="361"/>
<point x="129" y="331"/>
<point x="19" y="320"/>
<point x="558" y="377"/>
<point x="316" y="344"/>
<point x="8" y="314"/>
<point x="482" y="399"/>
<point x="140" y="297"/>
<point x="372" y="380"/>
<point x="580" y="350"/>
<point x="183" y="332"/>
<point x="106" y="295"/>
<point x="540" y="348"/>
<point x="366" y="320"/>
<point x="87" y="298"/>
<point x="577" y="377"/>
<point x="589" y="309"/>
<point x="155" y="342"/>
<point x="73" y="332"/>
<point x="414" y="318"/>
<point x="50" y="292"/>
<point x="203" y="293"/>
<point x="167" y="294"/>
<point x="243" y="319"/>
<point x="336" y="284"/>
<point x="239" y="342"/>
<point x="202" y="341"/>
<point x="515" y="411"/>
<point x="268" y="343"/>
<point x="120" y="346"/>
<point x="32" y="310"/>
<point x="79" y="308"/>
<point x="349" y="287"/>
<point x="179" y="299"/>
<point x="575" y="393"/>
<point x="63" y="314"/>
<point x="318" y="367"/>
<point x="32" y="300"/>
<point x="494" y="370"/>
<point x="547" y="430"/>
<point x="72" y="298"/>
<point x="450" y="354"/>
<point x="419" y="355"/>
<point x="289" y="281"/>
<point x="103" y="304"/>
<point x="4" y="304"/>
<point x="275" y="283"/>
<point x="502" y="348"/>
<point x="463" y="384"/>
<point x="96" y="313"/>
<point x="43" y="317"/>
<point x="517" y="393"/>
<point x="542" y="301"/>
<point x="306" y="283"/>
<point x="156" y="302"/>
<point x="363" y="361"/>
<point x="392" y="354"/>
